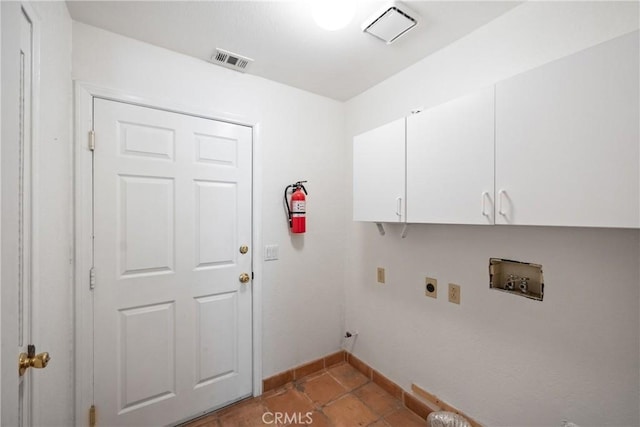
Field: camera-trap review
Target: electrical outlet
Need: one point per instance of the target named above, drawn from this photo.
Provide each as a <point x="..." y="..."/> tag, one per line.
<point x="380" y="275"/>
<point x="431" y="287"/>
<point x="454" y="293"/>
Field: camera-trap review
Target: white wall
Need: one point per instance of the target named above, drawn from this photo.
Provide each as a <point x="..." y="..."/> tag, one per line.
<point x="506" y="361"/>
<point x="300" y="137"/>
<point x="527" y="36"/>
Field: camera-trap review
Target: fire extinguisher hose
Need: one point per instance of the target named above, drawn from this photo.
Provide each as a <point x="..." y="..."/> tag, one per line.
<point x="286" y="205"/>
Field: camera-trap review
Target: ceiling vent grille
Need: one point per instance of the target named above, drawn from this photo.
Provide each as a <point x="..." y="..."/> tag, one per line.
<point x="393" y="21"/>
<point x="231" y="60"/>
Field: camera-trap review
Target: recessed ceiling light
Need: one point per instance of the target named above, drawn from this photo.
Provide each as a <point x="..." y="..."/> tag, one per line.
<point x="333" y="15"/>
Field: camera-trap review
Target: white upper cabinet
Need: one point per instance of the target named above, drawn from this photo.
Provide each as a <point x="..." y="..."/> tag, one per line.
<point x="450" y="150"/>
<point x="567" y="149"/>
<point x="379" y="174"/>
<point x="555" y="146"/>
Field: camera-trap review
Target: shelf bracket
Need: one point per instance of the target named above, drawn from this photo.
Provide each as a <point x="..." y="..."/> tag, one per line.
<point x="380" y="228"/>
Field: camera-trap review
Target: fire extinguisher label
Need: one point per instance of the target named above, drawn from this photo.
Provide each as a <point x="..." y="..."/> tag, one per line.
<point x="298" y="207"/>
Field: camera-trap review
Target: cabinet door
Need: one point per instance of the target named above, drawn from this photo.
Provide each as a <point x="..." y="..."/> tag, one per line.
<point x="450" y="151"/>
<point x="567" y="140"/>
<point x="379" y="174"/>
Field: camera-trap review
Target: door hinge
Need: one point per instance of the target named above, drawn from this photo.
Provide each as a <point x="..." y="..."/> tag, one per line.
<point x="92" y="278"/>
<point x="92" y="416"/>
<point x="92" y="140"/>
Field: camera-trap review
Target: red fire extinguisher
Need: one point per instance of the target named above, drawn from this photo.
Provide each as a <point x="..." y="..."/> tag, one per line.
<point x="296" y="211"/>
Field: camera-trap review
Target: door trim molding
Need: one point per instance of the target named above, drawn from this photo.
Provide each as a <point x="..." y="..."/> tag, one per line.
<point x="84" y="93"/>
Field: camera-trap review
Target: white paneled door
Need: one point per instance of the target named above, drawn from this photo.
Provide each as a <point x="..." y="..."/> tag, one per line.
<point x="172" y="307"/>
<point x="16" y="295"/>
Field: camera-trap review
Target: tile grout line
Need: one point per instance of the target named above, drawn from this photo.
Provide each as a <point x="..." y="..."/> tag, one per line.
<point x="339" y="358"/>
<point x="372" y="374"/>
<point x="326" y="371"/>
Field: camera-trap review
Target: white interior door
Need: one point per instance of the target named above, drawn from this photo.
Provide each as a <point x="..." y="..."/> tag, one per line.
<point x="172" y="320"/>
<point x="17" y="72"/>
<point x="24" y="215"/>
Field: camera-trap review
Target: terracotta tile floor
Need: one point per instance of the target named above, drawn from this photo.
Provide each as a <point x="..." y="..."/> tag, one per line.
<point x="339" y="396"/>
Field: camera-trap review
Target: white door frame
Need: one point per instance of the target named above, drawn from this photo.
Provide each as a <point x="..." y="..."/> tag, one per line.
<point x="83" y="212"/>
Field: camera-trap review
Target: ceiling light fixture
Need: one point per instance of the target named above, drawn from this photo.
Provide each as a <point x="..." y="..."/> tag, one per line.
<point x="390" y="22"/>
<point x="333" y="15"/>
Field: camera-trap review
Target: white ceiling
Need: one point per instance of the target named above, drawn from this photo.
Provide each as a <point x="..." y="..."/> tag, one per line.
<point x="285" y="42"/>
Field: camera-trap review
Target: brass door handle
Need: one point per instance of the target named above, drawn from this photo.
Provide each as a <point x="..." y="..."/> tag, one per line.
<point x="32" y="360"/>
<point x="244" y="278"/>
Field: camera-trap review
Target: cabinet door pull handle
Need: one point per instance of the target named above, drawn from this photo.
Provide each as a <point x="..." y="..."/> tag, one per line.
<point x="484" y="202"/>
<point x="500" y="210"/>
<point x="399" y="207"/>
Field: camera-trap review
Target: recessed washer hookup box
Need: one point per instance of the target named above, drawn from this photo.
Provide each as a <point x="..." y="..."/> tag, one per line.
<point x="516" y="277"/>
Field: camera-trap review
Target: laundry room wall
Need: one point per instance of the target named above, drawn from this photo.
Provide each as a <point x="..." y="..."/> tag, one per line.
<point x="300" y="137"/>
<point x="505" y="361"/>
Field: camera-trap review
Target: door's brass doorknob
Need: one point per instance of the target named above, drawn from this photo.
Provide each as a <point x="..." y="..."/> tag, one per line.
<point x="244" y="249"/>
<point x="32" y="360"/>
<point x="244" y="278"/>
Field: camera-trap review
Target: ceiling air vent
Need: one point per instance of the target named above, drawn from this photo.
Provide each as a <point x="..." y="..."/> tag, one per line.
<point x="391" y="22"/>
<point x="231" y="60"/>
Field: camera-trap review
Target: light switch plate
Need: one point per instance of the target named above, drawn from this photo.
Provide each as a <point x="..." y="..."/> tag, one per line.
<point x="271" y="252"/>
